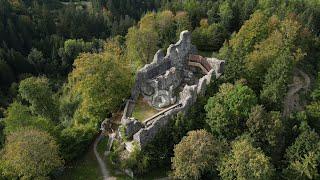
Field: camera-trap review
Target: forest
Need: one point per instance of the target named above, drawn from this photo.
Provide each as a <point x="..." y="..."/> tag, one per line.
<point x="65" y="66"/>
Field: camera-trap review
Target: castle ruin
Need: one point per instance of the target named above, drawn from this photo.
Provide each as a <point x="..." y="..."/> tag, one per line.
<point x="170" y="84"/>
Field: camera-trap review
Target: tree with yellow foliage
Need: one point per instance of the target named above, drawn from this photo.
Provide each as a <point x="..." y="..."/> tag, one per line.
<point x="196" y="154"/>
<point x="30" y="154"/>
<point x="101" y="81"/>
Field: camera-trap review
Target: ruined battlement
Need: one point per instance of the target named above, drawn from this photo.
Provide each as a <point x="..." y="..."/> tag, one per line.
<point x="158" y="81"/>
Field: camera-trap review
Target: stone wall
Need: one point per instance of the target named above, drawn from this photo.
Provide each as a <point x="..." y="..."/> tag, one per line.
<point x="187" y="98"/>
<point x="177" y="56"/>
<point x="128" y="110"/>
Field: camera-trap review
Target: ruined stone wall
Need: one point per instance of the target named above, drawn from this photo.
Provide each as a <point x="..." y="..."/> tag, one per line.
<point x="128" y="110"/>
<point x="176" y="57"/>
<point x="146" y="134"/>
<point x="187" y="98"/>
<point x="217" y="65"/>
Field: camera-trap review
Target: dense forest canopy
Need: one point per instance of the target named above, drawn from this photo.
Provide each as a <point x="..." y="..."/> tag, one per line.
<point x="65" y="66"/>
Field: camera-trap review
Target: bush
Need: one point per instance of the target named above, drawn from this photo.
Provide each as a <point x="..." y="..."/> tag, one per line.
<point x="74" y="141"/>
<point x="209" y="38"/>
<point x="115" y="152"/>
<point x="138" y="162"/>
<point x="123" y="133"/>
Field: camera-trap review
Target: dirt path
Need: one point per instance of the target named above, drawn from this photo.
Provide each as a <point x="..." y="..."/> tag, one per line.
<point x="103" y="167"/>
<point x="301" y="81"/>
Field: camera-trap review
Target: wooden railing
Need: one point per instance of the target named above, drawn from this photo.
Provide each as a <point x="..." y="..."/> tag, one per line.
<point x="147" y="121"/>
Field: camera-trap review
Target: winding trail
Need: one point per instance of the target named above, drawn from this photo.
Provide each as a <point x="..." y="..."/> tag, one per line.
<point x="291" y="101"/>
<point x="103" y="167"/>
<point x="102" y="164"/>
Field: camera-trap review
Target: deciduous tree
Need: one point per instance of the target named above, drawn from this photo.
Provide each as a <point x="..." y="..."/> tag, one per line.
<point x="141" y="46"/>
<point x="246" y="162"/>
<point x="19" y="116"/>
<point x="226" y="14"/>
<point x="253" y="31"/>
<point x="102" y="81"/>
<point x="196" y="154"/>
<point x="228" y="110"/>
<point x="276" y="80"/>
<point x="267" y="130"/>
<point x="36" y="58"/>
<point x="209" y="37"/>
<point x="182" y="22"/>
<point x="30" y="154"/>
<point x="303" y="156"/>
<point x="37" y="92"/>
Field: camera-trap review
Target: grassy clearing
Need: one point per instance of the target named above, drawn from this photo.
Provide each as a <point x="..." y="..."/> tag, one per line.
<point x="83" y="169"/>
<point x="143" y="110"/>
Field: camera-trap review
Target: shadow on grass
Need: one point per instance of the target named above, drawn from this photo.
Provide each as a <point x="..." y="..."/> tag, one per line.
<point x="84" y="168"/>
<point x="87" y="167"/>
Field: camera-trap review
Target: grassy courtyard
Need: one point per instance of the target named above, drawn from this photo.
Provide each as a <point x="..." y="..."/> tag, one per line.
<point x="143" y="110"/>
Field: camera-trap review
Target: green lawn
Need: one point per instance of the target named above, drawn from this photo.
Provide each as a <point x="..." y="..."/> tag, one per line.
<point x="143" y="110"/>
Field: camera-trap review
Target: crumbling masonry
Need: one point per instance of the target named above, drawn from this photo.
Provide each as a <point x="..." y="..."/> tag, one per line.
<point x="171" y="84"/>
